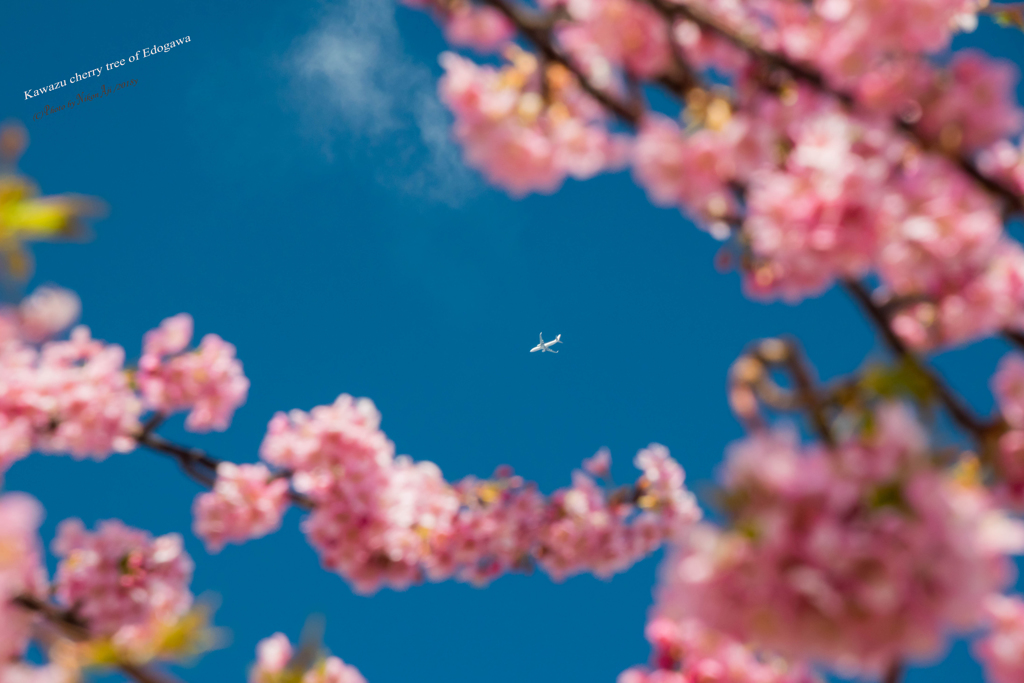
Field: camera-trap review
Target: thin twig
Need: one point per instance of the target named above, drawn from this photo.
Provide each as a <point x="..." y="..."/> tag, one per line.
<point x="73" y="628"/>
<point x="963" y="416"/>
<point x="199" y="465"/>
<point x="538" y="31"/>
<point x="895" y="673"/>
<point x="195" y="463"/>
<point x="1015" y="337"/>
<point x="153" y="423"/>
<point x="808" y="393"/>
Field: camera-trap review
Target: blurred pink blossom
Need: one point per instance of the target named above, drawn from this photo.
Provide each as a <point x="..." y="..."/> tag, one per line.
<point x="118" y="577"/>
<point x="208" y="381"/>
<point x="855" y="557"/>
<point x="245" y="503"/>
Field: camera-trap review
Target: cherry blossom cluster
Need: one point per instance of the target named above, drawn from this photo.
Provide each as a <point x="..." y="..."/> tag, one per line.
<point x="381" y="520"/>
<point x="77" y="397"/>
<point x="208" y="381"/>
<point x="247" y="502"/>
<point x="21" y="572"/>
<point x="121" y="581"/>
<point x="527" y="127"/>
<point x="275" y="664"/>
<point x="857" y="169"/>
<point x="857" y="556"/>
<point x="849" y="198"/>
<point x="1001" y="651"/>
<point x="69" y="397"/>
<point x="687" y="651"/>
<point x="124" y="594"/>
<point x="1008" y="387"/>
<point x="42" y="315"/>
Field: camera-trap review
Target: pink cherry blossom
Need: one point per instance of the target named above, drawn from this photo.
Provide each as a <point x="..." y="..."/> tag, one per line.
<point x="47" y="312"/>
<point x="691" y="171"/>
<point x="246" y="502"/>
<point x="15" y="439"/>
<point x="26" y="673"/>
<point x="1008" y="387"/>
<point x="69" y="397"/>
<point x="977" y="106"/>
<point x="118" y="577"/>
<point x="207" y="381"/>
<point x="942" y="231"/>
<point x="273" y="655"/>
<point x="599" y="465"/>
<point x="626" y="32"/>
<point x="987" y="302"/>
<point x="592" y="532"/>
<point x="516" y="139"/>
<point x="483" y="28"/>
<point x="21" y="571"/>
<point x="688" y="651"/>
<point x="381" y="520"/>
<point x="856" y="557"/>
<point x="1001" y="651"/>
<point x="1009" y="465"/>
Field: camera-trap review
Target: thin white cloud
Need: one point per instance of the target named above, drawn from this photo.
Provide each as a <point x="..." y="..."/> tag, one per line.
<point x="354" y="81"/>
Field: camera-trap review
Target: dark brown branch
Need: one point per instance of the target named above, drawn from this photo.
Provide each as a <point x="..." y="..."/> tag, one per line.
<point x="194" y="462"/>
<point x="538" y="31"/>
<point x="684" y="79"/>
<point x="198" y="464"/>
<point x="894" y="674"/>
<point x="960" y="413"/>
<point x="68" y="622"/>
<point x="1015" y="337"/>
<point x="144" y="674"/>
<point x="807" y="392"/>
<point x="72" y="628"/>
<point x="153" y="423"/>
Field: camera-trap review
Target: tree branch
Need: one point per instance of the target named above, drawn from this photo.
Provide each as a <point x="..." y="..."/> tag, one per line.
<point x="806" y="390"/>
<point x="73" y="628"/>
<point x="538" y="31"/>
<point x="895" y="673"/>
<point x="815" y="79"/>
<point x="1015" y="337"/>
<point x="960" y="412"/>
<point x="198" y="464"/>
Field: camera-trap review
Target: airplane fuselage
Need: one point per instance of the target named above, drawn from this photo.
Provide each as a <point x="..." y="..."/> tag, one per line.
<point x="546" y="346"/>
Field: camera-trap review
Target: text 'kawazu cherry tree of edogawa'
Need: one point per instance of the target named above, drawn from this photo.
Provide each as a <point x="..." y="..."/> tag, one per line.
<point x="825" y="143"/>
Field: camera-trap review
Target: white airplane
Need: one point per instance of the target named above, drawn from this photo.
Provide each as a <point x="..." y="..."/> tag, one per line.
<point x="546" y="346"/>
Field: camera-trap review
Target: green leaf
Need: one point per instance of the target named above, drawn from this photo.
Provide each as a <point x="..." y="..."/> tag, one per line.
<point x="1012" y="18"/>
<point x="902" y="380"/>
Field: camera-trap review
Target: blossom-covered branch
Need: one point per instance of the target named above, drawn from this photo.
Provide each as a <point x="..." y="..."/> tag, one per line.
<point x="770" y="61"/>
<point x="122" y="599"/>
<point x="957" y="409"/>
<point x="376" y="518"/>
<point x="73" y="629"/>
<point x="537" y="29"/>
<point x="807" y="164"/>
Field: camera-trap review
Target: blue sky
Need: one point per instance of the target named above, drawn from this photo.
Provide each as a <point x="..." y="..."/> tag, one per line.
<point x="286" y="177"/>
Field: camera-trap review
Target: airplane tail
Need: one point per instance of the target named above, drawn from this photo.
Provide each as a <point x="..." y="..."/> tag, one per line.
<point x="558" y="339"/>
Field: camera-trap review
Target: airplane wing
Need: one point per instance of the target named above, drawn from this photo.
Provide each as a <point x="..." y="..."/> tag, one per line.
<point x="551" y="350"/>
<point x="541" y="337"/>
